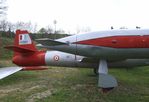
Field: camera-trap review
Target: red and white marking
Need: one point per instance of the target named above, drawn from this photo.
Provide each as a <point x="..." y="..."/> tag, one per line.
<point x="56" y="58"/>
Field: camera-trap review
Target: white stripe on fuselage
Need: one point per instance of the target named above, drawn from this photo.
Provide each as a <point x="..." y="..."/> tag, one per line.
<point x="100" y="34"/>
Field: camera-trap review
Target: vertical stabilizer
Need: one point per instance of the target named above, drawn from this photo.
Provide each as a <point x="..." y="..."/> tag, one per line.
<point x="22" y="43"/>
<point x="23" y="40"/>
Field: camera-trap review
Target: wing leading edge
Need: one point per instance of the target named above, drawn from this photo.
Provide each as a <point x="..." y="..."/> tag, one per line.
<point x="4" y="72"/>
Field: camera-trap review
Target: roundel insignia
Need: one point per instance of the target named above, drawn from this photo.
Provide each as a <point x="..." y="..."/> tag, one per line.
<point x="56" y="58"/>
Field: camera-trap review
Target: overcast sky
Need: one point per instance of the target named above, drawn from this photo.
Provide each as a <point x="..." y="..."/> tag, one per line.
<point x="72" y="14"/>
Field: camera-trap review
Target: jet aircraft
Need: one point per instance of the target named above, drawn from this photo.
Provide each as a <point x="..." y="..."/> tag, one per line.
<point x="98" y="50"/>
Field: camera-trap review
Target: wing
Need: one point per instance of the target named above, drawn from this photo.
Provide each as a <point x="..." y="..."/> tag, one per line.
<point x="4" y="72"/>
<point x="50" y="42"/>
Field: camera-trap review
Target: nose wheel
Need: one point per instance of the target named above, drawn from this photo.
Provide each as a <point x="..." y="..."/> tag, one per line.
<point x="105" y="81"/>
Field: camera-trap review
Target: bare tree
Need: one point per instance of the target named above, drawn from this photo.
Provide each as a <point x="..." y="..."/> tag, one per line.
<point x="3" y="8"/>
<point x="60" y="31"/>
<point x="78" y="30"/>
<point x="11" y="27"/>
<point x="34" y="30"/>
<point x="24" y="25"/>
<point x="49" y="29"/>
<point x="87" y="29"/>
<point x="3" y="25"/>
<point x="29" y="26"/>
<point x="19" y="25"/>
<point x="83" y="29"/>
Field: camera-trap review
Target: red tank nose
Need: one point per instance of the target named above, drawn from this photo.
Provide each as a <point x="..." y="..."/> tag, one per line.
<point x="33" y="59"/>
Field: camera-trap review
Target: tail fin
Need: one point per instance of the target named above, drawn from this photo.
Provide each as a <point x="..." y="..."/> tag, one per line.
<point x="22" y="43"/>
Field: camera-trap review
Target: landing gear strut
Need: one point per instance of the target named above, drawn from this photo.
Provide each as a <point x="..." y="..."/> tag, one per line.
<point x="95" y="71"/>
<point x="105" y="81"/>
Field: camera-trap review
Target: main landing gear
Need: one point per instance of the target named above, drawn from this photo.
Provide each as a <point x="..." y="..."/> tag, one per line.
<point x="105" y="81"/>
<point x="95" y="71"/>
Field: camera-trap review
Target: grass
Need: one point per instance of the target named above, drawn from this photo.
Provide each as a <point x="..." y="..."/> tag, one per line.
<point x="59" y="84"/>
<point x="4" y="53"/>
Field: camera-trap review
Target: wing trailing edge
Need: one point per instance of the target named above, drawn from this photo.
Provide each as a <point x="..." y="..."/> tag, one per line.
<point x="50" y="42"/>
